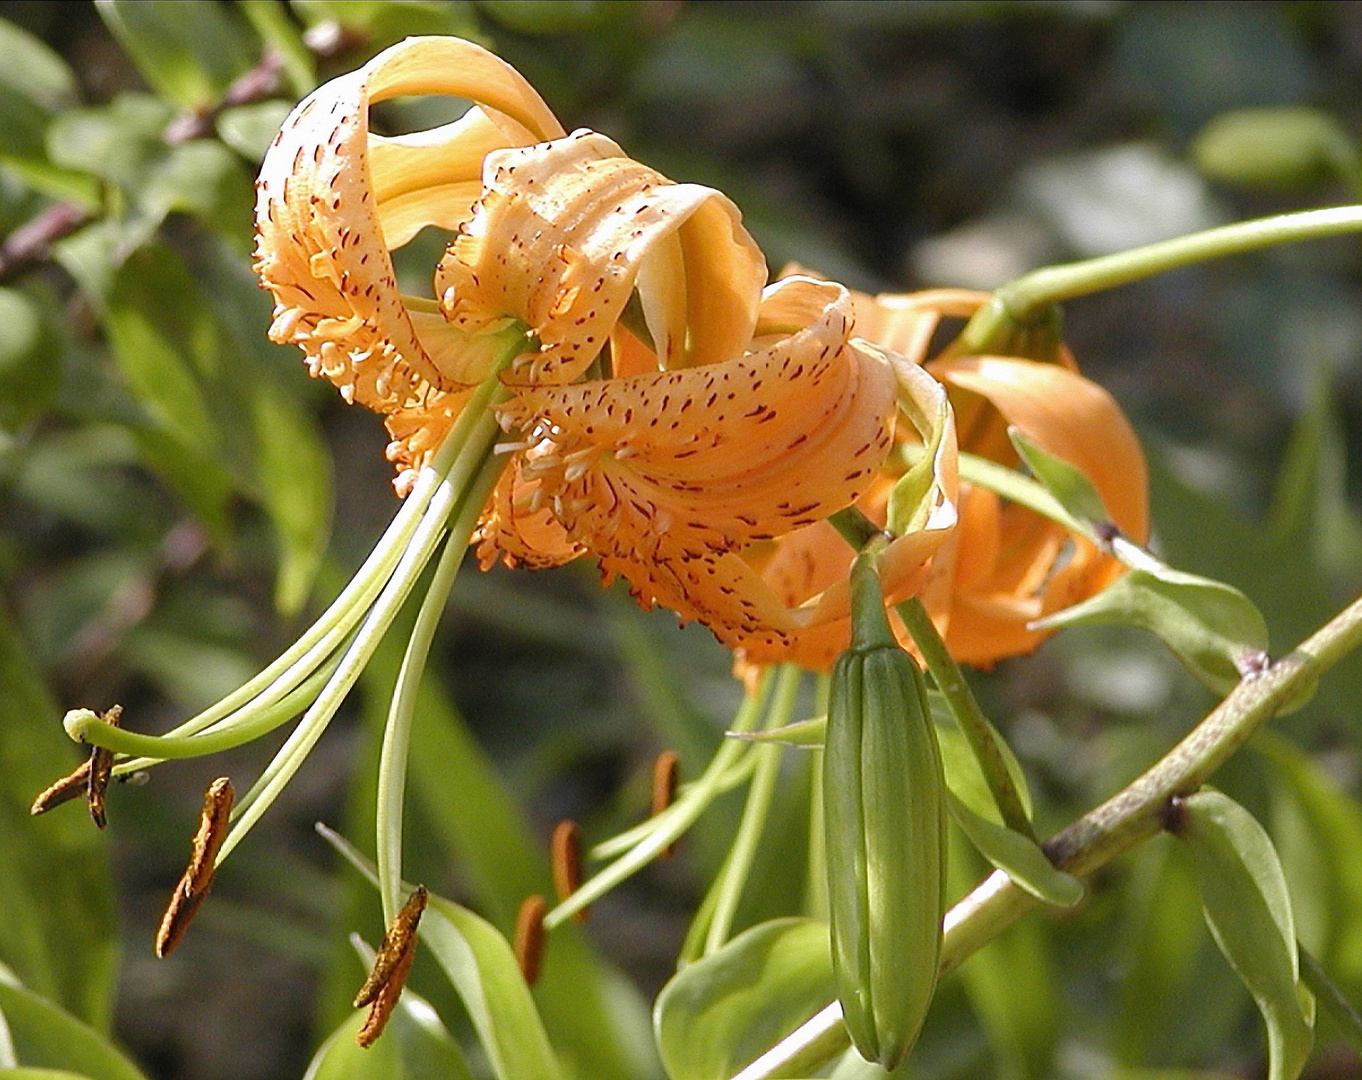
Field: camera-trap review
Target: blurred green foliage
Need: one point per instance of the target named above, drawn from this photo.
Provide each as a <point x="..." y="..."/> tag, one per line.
<point x="168" y="494"/>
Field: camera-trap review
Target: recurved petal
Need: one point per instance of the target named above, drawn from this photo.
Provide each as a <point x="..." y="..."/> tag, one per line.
<point x="562" y="235"/>
<point x="1069" y="416"/>
<point x="331" y="201"/>
<point x="676" y="464"/>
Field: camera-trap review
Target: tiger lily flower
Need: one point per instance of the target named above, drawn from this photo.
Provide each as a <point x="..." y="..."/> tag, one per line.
<point x="1006" y="566"/>
<point x="718" y="419"/>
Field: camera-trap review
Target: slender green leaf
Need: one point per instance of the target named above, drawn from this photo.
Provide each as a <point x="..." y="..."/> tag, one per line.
<point x="596" y="1019"/>
<point x="1065" y="482"/>
<point x="1243" y="891"/>
<point x="1213" y="628"/>
<point x="1311" y="510"/>
<point x="56" y="897"/>
<point x="723" y="1011"/>
<point x="1318" y="830"/>
<point x="30" y="67"/>
<point x="41" y="1074"/>
<point x="414" y="1046"/>
<point x="964" y="775"/>
<point x="46" y="1037"/>
<point x="189" y="52"/>
<point x="249" y="129"/>
<point x="1019" y="857"/>
<point x="480" y="964"/>
<point x="35" y="84"/>
<point x="30" y="358"/>
<point x="119" y="141"/>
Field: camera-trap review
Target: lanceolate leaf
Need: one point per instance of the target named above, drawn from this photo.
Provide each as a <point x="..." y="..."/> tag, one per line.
<point x="56" y="896"/>
<point x="189" y="52"/>
<point x="1019" y="857"/>
<point x="1213" y="628"/>
<point x="722" y="1012"/>
<point x="480" y="964"/>
<point x="1075" y="492"/>
<point x="1244" y="895"/>
<point x="46" y="1037"/>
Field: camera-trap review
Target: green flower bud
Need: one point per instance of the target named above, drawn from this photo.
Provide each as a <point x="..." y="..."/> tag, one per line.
<point x="884" y="816"/>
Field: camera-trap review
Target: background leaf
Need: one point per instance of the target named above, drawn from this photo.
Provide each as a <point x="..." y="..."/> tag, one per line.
<point x="57" y="926"/>
<point x="719" y="1013"/>
<point x="1249" y="912"/>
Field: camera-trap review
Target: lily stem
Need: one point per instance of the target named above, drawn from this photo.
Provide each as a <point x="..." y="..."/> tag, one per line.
<point x="1021" y="300"/>
<point x="668" y="826"/>
<point x="1134" y="814"/>
<point x="738" y="865"/>
<point x="950" y="680"/>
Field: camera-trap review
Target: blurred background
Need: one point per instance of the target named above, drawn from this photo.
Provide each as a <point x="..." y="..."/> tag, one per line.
<point x="176" y="497"/>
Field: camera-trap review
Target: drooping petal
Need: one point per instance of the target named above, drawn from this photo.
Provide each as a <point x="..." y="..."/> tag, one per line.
<point x="672" y="465"/>
<point x="559" y="241"/>
<point x="1069" y="416"/>
<point x="332" y="199"/>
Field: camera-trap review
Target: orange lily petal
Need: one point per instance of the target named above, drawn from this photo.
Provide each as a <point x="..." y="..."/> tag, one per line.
<point x="332" y="198"/>
<point x="564" y="232"/>
<point x="1069" y="416"/>
<point x="672" y="465"/>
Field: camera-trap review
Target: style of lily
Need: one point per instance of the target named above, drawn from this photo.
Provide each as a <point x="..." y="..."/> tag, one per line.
<point x="665" y="414"/>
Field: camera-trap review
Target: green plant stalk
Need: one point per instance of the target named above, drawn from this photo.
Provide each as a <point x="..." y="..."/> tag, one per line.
<point x="950" y="680"/>
<point x="392" y="761"/>
<point x="676" y="819"/>
<point x="177" y="747"/>
<point x="417" y="554"/>
<point x="738" y="865"/>
<point x="816" y="875"/>
<point x="322" y="639"/>
<point x="1021" y="299"/>
<point x="1133" y="815"/>
<point x="737" y="772"/>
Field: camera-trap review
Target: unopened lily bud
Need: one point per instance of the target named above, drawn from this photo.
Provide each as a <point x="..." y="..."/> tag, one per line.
<point x="884" y="817"/>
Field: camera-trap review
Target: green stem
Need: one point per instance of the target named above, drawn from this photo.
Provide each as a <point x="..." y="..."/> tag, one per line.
<point x="668" y="826"/>
<point x="392" y="761"/>
<point x="1021" y="299"/>
<point x="816" y="876"/>
<point x="1132" y="815"/>
<point x="474" y="447"/>
<point x="86" y="727"/>
<point x="739" y="771"/>
<point x="983" y="740"/>
<point x="738" y="865"/>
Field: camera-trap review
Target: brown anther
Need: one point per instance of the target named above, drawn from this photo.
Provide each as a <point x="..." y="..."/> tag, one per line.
<point x="385" y="1001"/>
<point x="198" y="876"/>
<point x="70" y="786"/>
<point x="101" y="769"/>
<point x="664" y="789"/>
<point x="398" y="940"/>
<point x="566" y="852"/>
<point x="529" y="937"/>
